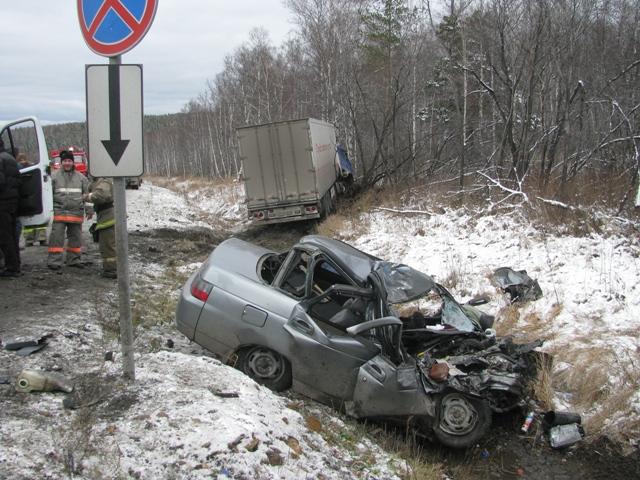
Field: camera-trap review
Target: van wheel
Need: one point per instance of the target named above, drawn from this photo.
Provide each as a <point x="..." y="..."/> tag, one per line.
<point x="266" y="367"/>
<point x="461" y="420"/>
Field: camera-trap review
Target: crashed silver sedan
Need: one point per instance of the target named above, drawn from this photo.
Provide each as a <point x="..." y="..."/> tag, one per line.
<point x="377" y="339"/>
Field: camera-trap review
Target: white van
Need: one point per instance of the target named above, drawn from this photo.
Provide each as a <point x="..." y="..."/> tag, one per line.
<point x="25" y="135"/>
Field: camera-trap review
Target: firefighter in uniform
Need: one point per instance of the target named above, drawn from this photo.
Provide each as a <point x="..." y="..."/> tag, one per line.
<point x="102" y="198"/>
<point x="69" y="187"/>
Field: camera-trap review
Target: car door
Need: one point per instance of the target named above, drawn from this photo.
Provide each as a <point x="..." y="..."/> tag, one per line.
<point x="324" y="358"/>
<point x="26" y="136"/>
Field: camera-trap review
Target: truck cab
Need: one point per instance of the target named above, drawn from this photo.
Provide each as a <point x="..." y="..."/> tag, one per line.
<point x="25" y="136"/>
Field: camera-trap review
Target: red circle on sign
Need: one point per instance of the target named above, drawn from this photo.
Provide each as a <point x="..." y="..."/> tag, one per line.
<point x="138" y="28"/>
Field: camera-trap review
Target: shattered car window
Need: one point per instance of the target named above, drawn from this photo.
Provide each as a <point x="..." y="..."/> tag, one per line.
<point x="434" y="310"/>
<point x="453" y="315"/>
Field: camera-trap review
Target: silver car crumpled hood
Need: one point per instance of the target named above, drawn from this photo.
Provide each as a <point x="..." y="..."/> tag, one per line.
<point x="237" y="256"/>
<point x="402" y="283"/>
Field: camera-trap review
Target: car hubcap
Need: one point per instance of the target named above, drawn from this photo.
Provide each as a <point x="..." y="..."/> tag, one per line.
<point x="458" y="415"/>
<point x="264" y="364"/>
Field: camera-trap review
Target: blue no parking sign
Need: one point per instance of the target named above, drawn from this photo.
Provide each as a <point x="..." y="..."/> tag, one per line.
<point x="113" y="27"/>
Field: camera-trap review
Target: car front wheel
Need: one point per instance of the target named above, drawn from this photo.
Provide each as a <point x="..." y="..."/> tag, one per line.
<point x="462" y="420"/>
<point x="266" y="367"/>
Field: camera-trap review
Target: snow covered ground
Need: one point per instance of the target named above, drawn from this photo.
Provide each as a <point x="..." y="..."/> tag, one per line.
<point x="189" y="416"/>
<point x="589" y="316"/>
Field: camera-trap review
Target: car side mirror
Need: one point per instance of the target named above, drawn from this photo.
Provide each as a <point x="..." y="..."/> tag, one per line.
<point x="48" y="169"/>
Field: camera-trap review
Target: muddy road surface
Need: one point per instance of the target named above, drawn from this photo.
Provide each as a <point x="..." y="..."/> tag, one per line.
<point x="67" y="303"/>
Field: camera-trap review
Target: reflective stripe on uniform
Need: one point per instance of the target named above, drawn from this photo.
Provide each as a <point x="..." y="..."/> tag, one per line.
<point x="67" y="218"/>
<point x="74" y="249"/>
<point x="105" y="224"/>
<point x="69" y="190"/>
<point x="56" y="249"/>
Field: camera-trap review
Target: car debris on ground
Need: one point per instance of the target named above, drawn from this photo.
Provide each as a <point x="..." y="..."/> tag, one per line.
<point x="24" y="346"/>
<point x="40" y="381"/>
<point x="520" y="286"/>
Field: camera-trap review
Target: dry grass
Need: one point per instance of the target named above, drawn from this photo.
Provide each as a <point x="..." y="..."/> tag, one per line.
<point x="588" y="377"/>
<point x="457" y="274"/>
<point x="408" y="460"/>
<point x="506" y="320"/>
<point x="543" y="384"/>
<point x="334" y="225"/>
<point x="533" y="326"/>
<point x="617" y="404"/>
<point x="537" y="327"/>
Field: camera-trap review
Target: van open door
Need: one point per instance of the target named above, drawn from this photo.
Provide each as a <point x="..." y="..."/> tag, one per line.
<point x="25" y="135"/>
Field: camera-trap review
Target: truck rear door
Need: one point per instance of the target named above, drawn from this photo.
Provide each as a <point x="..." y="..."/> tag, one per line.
<point x="26" y="136"/>
<point x="277" y="162"/>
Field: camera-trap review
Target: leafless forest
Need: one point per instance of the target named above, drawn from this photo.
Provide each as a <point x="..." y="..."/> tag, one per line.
<point x="540" y="95"/>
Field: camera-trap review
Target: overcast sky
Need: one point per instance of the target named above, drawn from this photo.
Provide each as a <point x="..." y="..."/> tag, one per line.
<point x="44" y="54"/>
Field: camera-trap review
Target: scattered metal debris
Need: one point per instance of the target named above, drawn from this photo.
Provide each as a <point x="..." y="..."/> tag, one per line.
<point x="562" y="436"/>
<point x="39" y="381"/>
<point x="221" y="394"/>
<point x="520" y="286"/>
<point x="24" y="346"/>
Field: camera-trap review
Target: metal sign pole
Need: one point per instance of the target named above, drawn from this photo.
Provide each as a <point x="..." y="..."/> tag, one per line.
<point x="122" y="253"/>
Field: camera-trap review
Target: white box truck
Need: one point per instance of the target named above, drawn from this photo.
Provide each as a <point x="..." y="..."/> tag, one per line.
<point x="289" y="170"/>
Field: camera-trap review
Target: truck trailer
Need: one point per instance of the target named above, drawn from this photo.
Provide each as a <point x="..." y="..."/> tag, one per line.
<point x="289" y="169"/>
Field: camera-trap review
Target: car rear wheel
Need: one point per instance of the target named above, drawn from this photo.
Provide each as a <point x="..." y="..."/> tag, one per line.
<point x="462" y="420"/>
<point x="266" y="367"/>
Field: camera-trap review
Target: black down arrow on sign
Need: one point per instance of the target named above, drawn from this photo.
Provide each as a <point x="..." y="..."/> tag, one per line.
<point x="115" y="146"/>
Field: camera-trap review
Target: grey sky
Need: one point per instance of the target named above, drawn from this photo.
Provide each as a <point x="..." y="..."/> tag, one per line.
<point x="43" y="52"/>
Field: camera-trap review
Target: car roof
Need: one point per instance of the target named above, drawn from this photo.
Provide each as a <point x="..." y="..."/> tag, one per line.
<point x="356" y="262"/>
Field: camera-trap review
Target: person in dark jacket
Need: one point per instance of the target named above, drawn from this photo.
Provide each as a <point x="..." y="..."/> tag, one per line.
<point x="9" y="198"/>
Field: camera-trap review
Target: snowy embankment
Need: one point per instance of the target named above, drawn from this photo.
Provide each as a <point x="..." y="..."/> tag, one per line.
<point x="589" y="316"/>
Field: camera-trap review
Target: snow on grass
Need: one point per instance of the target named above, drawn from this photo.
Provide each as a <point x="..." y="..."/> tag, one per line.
<point x="151" y="207"/>
<point x="591" y="299"/>
<point x="589" y="315"/>
<point x="201" y="417"/>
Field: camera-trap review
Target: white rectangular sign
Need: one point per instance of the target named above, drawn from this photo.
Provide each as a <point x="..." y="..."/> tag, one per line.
<point x="114" y="120"/>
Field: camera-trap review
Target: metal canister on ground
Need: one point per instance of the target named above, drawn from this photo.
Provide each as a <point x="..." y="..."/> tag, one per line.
<point x="527" y="422"/>
<point x="564" y="435"/>
<point x="38" y="381"/>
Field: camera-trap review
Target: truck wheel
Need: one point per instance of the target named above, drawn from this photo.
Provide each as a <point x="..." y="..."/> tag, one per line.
<point x="461" y="420"/>
<point x="332" y="200"/>
<point x="266" y="367"/>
